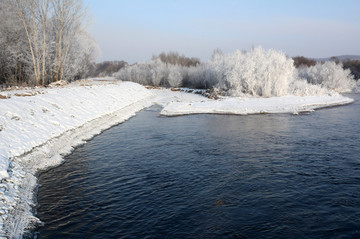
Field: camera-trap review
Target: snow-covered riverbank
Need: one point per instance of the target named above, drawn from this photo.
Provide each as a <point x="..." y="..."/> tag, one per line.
<point x="181" y="103"/>
<point x="39" y="126"/>
<point x="246" y="106"/>
<point x="48" y="125"/>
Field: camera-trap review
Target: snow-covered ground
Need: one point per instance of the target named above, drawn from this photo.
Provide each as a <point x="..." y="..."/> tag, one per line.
<point x="245" y="106"/>
<point x="181" y="103"/>
<point x="39" y="126"/>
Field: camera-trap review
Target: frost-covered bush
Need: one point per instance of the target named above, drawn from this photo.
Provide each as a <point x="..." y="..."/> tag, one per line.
<point x="302" y="88"/>
<point x="257" y="72"/>
<point x="329" y="75"/>
<point x="155" y="73"/>
<point x="139" y="73"/>
<point x="158" y="73"/>
<point x="175" y="77"/>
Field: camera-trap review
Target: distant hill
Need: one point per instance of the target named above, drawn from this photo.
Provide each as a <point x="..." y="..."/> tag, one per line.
<point x="341" y="58"/>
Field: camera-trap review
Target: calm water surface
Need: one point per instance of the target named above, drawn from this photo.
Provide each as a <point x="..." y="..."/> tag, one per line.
<point x="210" y="176"/>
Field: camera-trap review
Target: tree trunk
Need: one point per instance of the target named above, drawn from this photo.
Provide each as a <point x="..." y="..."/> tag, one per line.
<point x="44" y="41"/>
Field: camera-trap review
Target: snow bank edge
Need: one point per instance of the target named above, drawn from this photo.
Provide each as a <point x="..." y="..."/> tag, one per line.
<point x="20" y="218"/>
<point x="296" y="105"/>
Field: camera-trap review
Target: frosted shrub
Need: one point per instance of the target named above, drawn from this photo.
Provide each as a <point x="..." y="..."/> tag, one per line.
<point x="329" y="75"/>
<point x="175" y="77"/>
<point x="139" y="73"/>
<point x="302" y="88"/>
<point x="159" y="72"/>
<point x="258" y="72"/>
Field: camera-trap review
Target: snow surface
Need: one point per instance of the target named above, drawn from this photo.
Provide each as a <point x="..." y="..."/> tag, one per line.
<point x="37" y="131"/>
<point x="250" y="105"/>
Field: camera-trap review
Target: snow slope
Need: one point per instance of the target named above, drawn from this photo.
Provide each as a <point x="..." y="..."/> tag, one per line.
<point x="39" y="126"/>
<point x="54" y="121"/>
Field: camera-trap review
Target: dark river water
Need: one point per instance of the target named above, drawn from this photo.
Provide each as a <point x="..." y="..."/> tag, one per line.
<point x="210" y="176"/>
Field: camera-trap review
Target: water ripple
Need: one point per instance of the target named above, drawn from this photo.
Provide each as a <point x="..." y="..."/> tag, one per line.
<point x="210" y="176"/>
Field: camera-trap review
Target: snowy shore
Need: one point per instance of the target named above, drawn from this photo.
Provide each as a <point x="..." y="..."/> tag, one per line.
<point x="248" y="105"/>
<point x="36" y="130"/>
<point x="39" y="126"/>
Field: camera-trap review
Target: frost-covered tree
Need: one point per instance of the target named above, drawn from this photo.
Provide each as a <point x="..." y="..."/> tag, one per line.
<point x="13" y="48"/>
<point x="257" y="72"/>
<point x="155" y="73"/>
<point x="175" y="77"/>
<point x="33" y="15"/>
<point x="159" y="72"/>
<point x="68" y="20"/>
<point x="43" y="41"/>
<point x="329" y="75"/>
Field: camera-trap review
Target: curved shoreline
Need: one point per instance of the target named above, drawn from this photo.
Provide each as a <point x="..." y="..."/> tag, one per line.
<point x="17" y="197"/>
<point x="250" y="106"/>
<point x="51" y="155"/>
<point x="37" y="132"/>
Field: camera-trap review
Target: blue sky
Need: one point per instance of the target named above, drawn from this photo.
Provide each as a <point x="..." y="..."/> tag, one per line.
<point x="134" y="30"/>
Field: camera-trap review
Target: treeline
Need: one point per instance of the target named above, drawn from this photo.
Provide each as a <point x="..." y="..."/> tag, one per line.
<point x="353" y="66"/>
<point x="300" y="61"/>
<point x="257" y="72"/>
<point x="42" y="41"/>
<point x="106" y="68"/>
<point x="174" y="58"/>
<point x="168" y="70"/>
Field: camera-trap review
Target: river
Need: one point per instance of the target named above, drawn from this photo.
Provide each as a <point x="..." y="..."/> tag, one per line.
<point x="210" y="176"/>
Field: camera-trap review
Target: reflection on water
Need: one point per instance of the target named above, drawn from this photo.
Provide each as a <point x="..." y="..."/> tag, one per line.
<point x="210" y="176"/>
